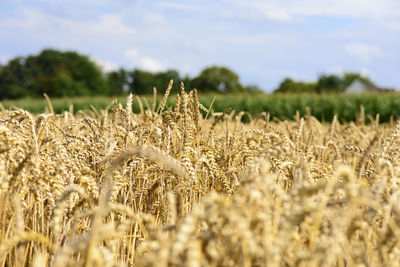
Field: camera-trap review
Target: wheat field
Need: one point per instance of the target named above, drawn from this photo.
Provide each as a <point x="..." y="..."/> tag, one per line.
<point x="184" y="186"/>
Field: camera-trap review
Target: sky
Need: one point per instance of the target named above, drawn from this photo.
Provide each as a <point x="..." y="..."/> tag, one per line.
<point x="262" y="41"/>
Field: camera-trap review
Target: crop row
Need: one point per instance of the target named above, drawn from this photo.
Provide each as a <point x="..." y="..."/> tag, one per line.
<point x="323" y="107"/>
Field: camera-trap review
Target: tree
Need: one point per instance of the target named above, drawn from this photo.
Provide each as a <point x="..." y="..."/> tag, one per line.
<point x="349" y="77"/>
<point x="53" y="72"/>
<point x="286" y="86"/>
<point x="161" y="79"/>
<point x="143" y="82"/>
<point x="119" y="81"/>
<point x="334" y="83"/>
<point x="217" y="79"/>
<point x="50" y="65"/>
<point x="252" y="88"/>
<point x="14" y="79"/>
<point x="187" y="80"/>
<point x="329" y="83"/>
<point x="59" y="74"/>
<point x="290" y="86"/>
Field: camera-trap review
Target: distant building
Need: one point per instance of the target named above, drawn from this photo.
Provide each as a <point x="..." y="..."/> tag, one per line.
<point x="358" y="87"/>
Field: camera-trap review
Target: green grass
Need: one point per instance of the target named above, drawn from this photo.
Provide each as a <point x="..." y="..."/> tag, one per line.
<point x="281" y="106"/>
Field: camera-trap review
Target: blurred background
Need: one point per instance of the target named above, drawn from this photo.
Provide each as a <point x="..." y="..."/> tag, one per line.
<point x="100" y="47"/>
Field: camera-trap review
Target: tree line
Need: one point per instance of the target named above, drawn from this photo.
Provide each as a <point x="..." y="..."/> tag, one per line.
<point x="58" y="73"/>
<point x="69" y="73"/>
<point x="326" y="83"/>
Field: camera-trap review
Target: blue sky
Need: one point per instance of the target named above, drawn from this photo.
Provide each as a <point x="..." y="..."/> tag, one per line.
<point x="262" y="41"/>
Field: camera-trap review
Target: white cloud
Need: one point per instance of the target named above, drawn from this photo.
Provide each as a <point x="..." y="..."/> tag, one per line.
<point x="394" y="26"/>
<point x="105" y="65"/>
<point x="153" y="17"/>
<point x="279" y="15"/>
<point x="177" y="6"/>
<point x="35" y="19"/>
<point x="363" y="52"/>
<point x="246" y="39"/>
<point x="104" y="25"/>
<point x="366" y="72"/>
<point x="269" y="10"/>
<point x="4" y="59"/>
<point x="294" y="11"/>
<point x="340" y="70"/>
<point x="24" y="19"/>
<point x="241" y="15"/>
<point x="131" y="54"/>
<point x="275" y="13"/>
<point x="205" y="47"/>
<point x="341" y="8"/>
<point x="151" y="64"/>
<point x="144" y="62"/>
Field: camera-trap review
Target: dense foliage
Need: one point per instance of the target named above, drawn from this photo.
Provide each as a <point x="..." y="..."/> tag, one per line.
<point x="217" y="79"/>
<point x="60" y="74"/>
<point x="290" y="86"/>
<point x="52" y="72"/>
